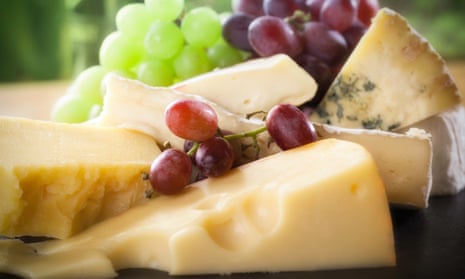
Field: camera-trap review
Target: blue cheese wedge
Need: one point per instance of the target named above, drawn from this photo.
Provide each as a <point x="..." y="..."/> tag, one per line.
<point x="448" y="139"/>
<point x="404" y="160"/>
<point x="319" y="206"/>
<point x="392" y="79"/>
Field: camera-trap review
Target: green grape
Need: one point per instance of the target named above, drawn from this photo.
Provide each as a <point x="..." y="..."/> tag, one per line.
<point x="118" y="53"/>
<point x="88" y="84"/>
<point x="201" y="27"/>
<point x="72" y="108"/>
<point x="165" y="9"/>
<point x="156" y="73"/>
<point x="223" y="55"/>
<point x="133" y="21"/>
<point x="163" y="40"/>
<point x="191" y="61"/>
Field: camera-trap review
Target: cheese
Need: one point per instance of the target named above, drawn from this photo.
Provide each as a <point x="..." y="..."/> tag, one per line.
<point x="448" y="138"/>
<point x="255" y="85"/>
<point x="404" y="160"/>
<point x="57" y="179"/>
<point x="319" y="206"/>
<point x="133" y="105"/>
<point x="392" y="79"/>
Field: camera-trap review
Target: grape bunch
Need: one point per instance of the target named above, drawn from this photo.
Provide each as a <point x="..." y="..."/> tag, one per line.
<point x="211" y="152"/>
<point x="157" y="42"/>
<point x="318" y="34"/>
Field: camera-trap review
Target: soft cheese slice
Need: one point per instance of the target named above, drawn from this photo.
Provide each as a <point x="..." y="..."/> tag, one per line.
<point x="319" y="206"/>
<point x="57" y="179"/>
<point x="448" y="138"/>
<point x="404" y="160"/>
<point x="392" y="79"/>
<point x="255" y="85"/>
<point x="133" y="105"/>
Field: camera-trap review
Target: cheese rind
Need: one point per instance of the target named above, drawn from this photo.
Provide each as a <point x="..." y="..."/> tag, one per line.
<point x="404" y="160"/>
<point x="319" y="206"/>
<point x="392" y="79"/>
<point x="448" y="141"/>
<point x="58" y="179"/>
<point x="255" y="85"/>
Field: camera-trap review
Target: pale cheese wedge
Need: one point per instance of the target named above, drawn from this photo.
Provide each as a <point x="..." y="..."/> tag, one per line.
<point x="448" y="139"/>
<point x="133" y="105"/>
<point x="255" y="85"/>
<point x="392" y="79"/>
<point x="404" y="160"/>
<point x="319" y="206"/>
<point x="58" y="179"/>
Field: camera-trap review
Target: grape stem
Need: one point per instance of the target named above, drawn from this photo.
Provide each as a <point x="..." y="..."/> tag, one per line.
<point x="249" y="134"/>
<point x="193" y="149"/>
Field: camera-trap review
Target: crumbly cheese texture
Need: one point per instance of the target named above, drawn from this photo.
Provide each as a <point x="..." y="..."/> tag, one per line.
<point x="392" y="79"/>
<point x="57" y="179"/>
<point x="448" y="139"/>
<point x="255" y="85"/>
<point x="404" y="160"/>
<point x="319" y="206"/>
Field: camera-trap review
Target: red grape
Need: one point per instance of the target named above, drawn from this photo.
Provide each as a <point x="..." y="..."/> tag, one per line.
<point x="251" y="7"/>
<point x="191" y="119"/>
<point x="289" y="127"/>
<point x="170" y="172"/>
<point x="271" y="35"/>
<point x="354" y="33"/>
<point x="214" y="157"/>
<point x="366" y="10"/>
<point x="338" y="14"/>
<point x="314" y="6"/>
<point x="324" y="43"/>
<point x="235" y="30"/>
<point x="320" y="71"/>
<point x="282" y="8"/>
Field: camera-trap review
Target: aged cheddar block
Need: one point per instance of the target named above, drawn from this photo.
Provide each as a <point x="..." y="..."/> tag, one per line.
<point x="57" y="179"/>
<point x="404" y="160"/>
<point x="319" y="206"/>
<point x="392" y="79"/>
<point x="255" y="85"/>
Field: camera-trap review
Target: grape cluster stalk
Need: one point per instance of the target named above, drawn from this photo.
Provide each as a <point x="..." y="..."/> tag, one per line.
<point x="318" y="34"/>
<point x="211" y="152"/>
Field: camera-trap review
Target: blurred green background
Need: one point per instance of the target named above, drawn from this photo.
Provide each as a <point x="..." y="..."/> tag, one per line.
<point x="56" y="39"/>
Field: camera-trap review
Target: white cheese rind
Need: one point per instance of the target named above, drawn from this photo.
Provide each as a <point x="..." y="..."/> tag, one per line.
<point x="392" y="79"/>
<point x="320" y="206"/>
<point x="404" y="160"/>
<point x="448" y="140"/>
<point x="255" y="85"/>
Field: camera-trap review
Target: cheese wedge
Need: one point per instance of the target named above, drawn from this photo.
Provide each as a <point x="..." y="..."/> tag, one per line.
<point x="392" y="79"/>
<point x="448" y="139"/>
<point x="255" y="85"/>
<point x="133" y="105"/>
<point x="319" y="206"/>
<point x="404" y="160"/>
<point x="58" y="179"/>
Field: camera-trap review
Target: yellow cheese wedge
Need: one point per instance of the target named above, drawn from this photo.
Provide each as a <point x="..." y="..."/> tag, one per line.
<point x="319" y="206"/>
<point x="57" y="179"/>
<point x="392" y="79"/>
